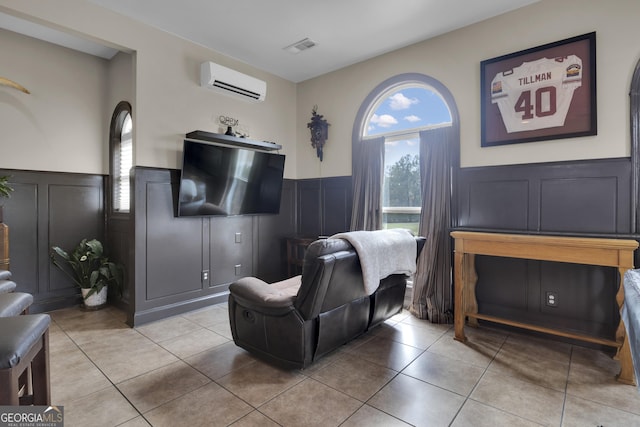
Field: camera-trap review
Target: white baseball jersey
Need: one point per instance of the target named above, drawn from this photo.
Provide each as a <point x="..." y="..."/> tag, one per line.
<point x="537" y="94"/>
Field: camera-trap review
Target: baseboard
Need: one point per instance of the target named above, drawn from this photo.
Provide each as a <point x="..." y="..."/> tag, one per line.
<point x="157" y="313"/>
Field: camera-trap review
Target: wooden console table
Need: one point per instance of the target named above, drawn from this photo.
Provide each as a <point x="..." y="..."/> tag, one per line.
<point x="590" y="251"/>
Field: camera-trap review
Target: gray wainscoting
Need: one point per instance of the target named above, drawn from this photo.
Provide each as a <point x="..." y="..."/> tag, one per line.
<point x="172" y="252"/>
<point x="324" y="206"/>
<point x="50" y="209"/>
<point x="583" y="198"/>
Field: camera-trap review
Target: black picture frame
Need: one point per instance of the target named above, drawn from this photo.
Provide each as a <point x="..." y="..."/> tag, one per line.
<point x="546" y="92"/>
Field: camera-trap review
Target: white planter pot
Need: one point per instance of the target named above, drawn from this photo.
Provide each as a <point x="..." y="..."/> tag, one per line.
<point x="96" y="300"/>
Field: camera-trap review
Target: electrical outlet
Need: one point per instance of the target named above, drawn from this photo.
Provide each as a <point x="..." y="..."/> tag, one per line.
<point x="205" y="276"/>
<point x="552" y="299"/>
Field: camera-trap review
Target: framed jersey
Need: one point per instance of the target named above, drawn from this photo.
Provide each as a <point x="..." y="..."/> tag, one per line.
<point x="546" y="92"/>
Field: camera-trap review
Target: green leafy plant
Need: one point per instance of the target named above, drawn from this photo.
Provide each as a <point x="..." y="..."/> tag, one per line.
<point x="88" y="267"/>
<point x="5" y="188"/>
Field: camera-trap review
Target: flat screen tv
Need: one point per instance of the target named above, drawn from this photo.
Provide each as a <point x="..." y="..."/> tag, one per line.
<point x="224" y="180"/>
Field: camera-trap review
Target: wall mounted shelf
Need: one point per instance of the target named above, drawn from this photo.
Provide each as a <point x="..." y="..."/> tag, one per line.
<point x="233" y="140"/>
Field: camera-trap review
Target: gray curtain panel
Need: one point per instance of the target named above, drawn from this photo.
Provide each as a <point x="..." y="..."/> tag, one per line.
<point x="432" y="286"/>
<point x="368" y="173"/>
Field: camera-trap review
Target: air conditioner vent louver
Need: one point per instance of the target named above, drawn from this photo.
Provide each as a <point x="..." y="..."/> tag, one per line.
<point x="232" y="82"/>
<point x="236" y="89"/>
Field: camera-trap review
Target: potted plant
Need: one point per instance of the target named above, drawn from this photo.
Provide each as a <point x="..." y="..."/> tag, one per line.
<point x="91" y="270"/>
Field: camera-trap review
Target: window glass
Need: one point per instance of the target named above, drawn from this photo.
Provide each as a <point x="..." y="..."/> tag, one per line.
<point x="122" y="157"/>
<point x="399" y="115"/>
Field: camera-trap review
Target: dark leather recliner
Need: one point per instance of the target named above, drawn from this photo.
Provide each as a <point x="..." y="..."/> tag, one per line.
<point x="296" y="321"/>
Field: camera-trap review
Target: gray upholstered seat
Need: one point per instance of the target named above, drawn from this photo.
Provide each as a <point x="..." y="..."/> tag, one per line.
<point x="14" y="303"/>
<point x="24" y="344"/>
<point x="5" y="275"/>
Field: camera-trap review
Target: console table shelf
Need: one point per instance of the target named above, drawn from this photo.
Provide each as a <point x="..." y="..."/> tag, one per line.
<point x="591" y="251"/>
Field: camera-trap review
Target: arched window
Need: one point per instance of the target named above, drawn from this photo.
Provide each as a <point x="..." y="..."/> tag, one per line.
<point x="398" y="113"/>
<point x="406" y="152"/>
<point x="121" y="148"/>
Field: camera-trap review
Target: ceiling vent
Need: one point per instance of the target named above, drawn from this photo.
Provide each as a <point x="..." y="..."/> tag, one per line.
<point x="298" y="47"/>
<point x="232" y="82"/>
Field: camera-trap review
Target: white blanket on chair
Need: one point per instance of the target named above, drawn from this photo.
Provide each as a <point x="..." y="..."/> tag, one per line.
<point x="382" y="253"/>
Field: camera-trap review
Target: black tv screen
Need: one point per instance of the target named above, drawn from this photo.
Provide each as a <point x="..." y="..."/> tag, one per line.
<point x="223" y="180"/>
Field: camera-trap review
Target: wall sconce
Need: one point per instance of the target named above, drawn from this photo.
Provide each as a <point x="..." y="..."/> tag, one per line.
<point x="319" y="131"/>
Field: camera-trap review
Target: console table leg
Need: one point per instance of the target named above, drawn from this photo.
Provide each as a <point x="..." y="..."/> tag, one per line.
<point x="471" y="279"/>
<point x="459" y="283"/>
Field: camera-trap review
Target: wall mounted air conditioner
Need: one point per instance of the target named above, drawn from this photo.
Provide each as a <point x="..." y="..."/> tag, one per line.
<point x="232" y="82"/>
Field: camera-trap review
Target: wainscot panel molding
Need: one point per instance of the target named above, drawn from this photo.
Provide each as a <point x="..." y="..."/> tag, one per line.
<point x="50" y="209"/>
<point x="171" y="253"/>
<point x="591" y="198"/>
<point x="324" y="206"/>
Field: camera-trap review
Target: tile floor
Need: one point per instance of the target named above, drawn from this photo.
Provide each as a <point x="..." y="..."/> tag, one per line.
<point x="186" y="371"/>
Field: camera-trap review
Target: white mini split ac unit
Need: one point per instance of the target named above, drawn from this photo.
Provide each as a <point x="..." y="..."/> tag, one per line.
<point x="232" y="82"/>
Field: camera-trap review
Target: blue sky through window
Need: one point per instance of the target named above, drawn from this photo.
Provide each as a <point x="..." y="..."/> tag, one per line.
<point x="406" y="109"/>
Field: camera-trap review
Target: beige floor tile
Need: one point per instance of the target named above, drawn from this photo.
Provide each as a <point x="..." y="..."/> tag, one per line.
<point x="95" y="332"/>
<point x="223" y="329"/>
<point x="355" y="377"/>
<point x="386" y="352"/>
<point x="219" y="361"/>
<point x="520" y="398"/>
<point x="310" y="403"/>
<point x="371" y="417"/>
<point x="579" y="412"/>
<point x="193" y="342"/>
<point x="412" y="320"/>
<point x="167" y="328"/>
<point x="538" y="348"/>
<point x="583" y="357"/>
<point x="416" y="402"/>
<point x="157" y="387"/>
<point x="533" y="366"/>
<point x="210" y="405"/>
<point x="73" y="376"/>
<point x="208" y="316"/>
<point x="600" y="385"/>
<point x="103" y="408"/>
<point x="136" y="422"/>
<point x="325" y="361"/>
<point x="127" y="355"/>
<point x="476" y="414"/>
<point x="415" y="335"/>
<point x="479" y="350"/>
<point x="450" y="374"/>
<point x="255" y="419"/>
<point x="259" y="382"/>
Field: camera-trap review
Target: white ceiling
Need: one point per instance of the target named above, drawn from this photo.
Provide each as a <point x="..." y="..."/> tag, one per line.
<point x="256" y="31"/>
<point x="346" y="31"/>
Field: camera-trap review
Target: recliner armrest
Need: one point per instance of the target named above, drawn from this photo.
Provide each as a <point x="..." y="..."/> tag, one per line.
<point x="257" y="293"/>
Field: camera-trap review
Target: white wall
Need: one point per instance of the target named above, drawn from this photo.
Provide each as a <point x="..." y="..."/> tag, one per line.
<point x="454" y="59"/>
<point x="60" y="125"/>
<point x="168" y="100"/>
